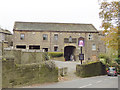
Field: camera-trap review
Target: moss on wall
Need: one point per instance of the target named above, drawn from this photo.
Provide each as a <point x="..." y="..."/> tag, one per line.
<point x="14" y="75"/>
<point x="24" y="57"/>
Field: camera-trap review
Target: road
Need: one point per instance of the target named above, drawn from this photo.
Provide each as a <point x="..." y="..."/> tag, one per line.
<point x="71" y="65"/>
<point x="91" y="82"/>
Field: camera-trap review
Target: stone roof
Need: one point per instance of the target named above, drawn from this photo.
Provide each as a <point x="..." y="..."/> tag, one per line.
<point x="5" y="31"/>
<point x="45" y="26"/>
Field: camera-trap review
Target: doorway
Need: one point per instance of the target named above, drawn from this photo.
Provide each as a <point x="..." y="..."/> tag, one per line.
<point x="68" y="52"/>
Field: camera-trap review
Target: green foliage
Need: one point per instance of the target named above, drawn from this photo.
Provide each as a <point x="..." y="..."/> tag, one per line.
<point x="109" y="15"/>
<point x="91" y="69"/>
<point x="118" y="69"/>
<point x="117" y="60"/>
<point x="55" y="54"/>
<point x="104" y="58"/>
<point x="21" y="75"/>
<point x="102" y="55"/>
<point x="90" y="62"/>
<point x="46" y="56"/>
<point x="50" y="65"/>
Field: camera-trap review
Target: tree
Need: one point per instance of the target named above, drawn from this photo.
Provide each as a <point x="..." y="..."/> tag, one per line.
<point x="109" y="15"/>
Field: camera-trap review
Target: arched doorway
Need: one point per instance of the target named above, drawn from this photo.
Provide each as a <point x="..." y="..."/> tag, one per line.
<point x="68" y="51"/>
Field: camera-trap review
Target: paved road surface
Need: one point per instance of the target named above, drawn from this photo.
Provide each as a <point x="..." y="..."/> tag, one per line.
<point x="91" y="82"/>
<point x="71" y="68"/>
<point x="70" y="64"/>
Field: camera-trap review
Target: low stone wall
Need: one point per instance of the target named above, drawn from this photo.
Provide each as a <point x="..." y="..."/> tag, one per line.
<point x="62" y="71"/>
<point x="24" y="57"/>
<point x="92" y="69"/>
<point x="15" y="75"/>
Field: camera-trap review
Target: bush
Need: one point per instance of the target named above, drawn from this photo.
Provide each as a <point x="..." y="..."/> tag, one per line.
<point x="19" y="75"/>
<point x="91" y="69"/>
<point x="104" y="58"/>
<point x="55" y="54"/>
<point x="102" y="55"/>
<point x="118" y="69"/>
<point x="50" y="65"/>
<point x="46" y="56"/>
<point x="117" y="60"/>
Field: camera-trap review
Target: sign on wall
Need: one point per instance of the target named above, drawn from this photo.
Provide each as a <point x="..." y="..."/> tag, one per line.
<point x="81" y="42"/>
<point x="81" y="56"/>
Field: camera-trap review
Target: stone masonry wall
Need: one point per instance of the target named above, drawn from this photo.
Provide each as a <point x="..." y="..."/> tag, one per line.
<point x="36" y="38"/>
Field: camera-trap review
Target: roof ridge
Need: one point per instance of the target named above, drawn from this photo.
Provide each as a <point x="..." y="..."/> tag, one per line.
<point x="54" y="23"/>
<point x="53" y="26"/>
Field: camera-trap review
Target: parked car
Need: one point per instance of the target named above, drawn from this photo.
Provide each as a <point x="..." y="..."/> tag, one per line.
<point x="112" y="71"/>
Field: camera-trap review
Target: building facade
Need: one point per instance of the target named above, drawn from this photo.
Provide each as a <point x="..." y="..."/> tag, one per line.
<point x="6" y="37"/>
<point x="5" y="40"/>
<point x="57" y="37"/>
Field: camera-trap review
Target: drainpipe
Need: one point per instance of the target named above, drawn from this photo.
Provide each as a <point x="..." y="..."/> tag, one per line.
<point x="50" y="41"/>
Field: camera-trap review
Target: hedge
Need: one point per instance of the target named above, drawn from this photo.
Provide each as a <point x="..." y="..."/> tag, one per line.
<point x="91" y="69"/>
<point x="55" y="54"/>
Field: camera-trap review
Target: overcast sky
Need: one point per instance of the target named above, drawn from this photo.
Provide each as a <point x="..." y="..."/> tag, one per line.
<point x="64" y="11"/>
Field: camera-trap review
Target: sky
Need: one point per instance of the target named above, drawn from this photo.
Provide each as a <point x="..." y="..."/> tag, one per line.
<point x="61" y="11"/>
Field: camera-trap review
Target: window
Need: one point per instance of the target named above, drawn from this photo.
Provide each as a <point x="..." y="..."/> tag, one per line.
<point x="21" y="46"/>
<point x="46" y="49"/>
<point x="70" y="39"/>
<point x="45" y="36"/>
<point x="34" y="47"/>
<point x="90" y="37"/>
<point x="55" y="48"/>
<point x="88" y="58"/>
<point x="22" y="36"/>
<point x="56" y="36"/>
<point x="93" y="47"/>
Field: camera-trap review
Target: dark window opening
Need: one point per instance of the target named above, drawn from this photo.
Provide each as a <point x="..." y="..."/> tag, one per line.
<point x="45" y="36"/>
<point x="46" y="49"/>
<point x="56" y="36"/>
<point x="70" y="40"/>
<point x="56" y="48"/>
<point x="11" y="43"/>
<point x="34" y="47"/>
<point x="88" y="58"/>
<point x="22" y="36"/>
<point x="90" y="37"/>
<point x="21" y="46"/>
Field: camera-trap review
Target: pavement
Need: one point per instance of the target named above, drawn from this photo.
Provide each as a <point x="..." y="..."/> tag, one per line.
<point x="91" y="82"/>
<point x="71" y="65"/>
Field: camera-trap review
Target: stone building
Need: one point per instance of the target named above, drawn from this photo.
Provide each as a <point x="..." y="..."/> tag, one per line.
<point x="57" y="37"/>
<point x="102" y="46"/>
<point x="6" y="37"/>
<point x="5" y="40"/>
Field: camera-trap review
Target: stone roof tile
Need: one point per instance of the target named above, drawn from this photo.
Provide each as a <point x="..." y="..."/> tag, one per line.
<point x="46" y="26"/>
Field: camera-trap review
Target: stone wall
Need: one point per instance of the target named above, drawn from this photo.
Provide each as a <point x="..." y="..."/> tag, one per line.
<point x="15" y="75"/>
<point x="25" y="57"/>
<point x="0" y="74"/>
<point x="0" y="50"/>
